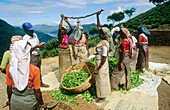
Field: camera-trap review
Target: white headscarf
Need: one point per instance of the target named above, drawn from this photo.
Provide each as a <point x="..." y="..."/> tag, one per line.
<point x="13" y="40"/>
<point x="20" y="64"/>
<point x="116" y="29"/>
<point x="65" y="27"/>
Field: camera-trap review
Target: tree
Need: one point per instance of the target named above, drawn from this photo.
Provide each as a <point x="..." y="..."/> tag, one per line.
<point x="111" y="17"/>
<point x="52" y="44"/>
<point x="105" y="25"/>
<point x="157" y="2"/>
<point x="108" y="25"/>
<point x="93" y="31"/>
<point x="116" y="17"/>
<point x="130" y="12"/>
<point x="85" y="32"/>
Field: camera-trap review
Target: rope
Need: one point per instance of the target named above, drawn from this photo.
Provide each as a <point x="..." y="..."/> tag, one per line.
<point x="83" y="16"/>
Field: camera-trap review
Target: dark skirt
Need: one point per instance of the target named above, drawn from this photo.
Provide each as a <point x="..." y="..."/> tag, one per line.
<point x="24" y="100"/>
<point x="36" y="60"/>
<point x="143" y="57"/>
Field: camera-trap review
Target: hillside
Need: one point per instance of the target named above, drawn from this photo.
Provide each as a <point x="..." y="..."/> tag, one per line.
<point x="53" y="30"/>
<point x="46" y="28"/>
<point x="156" y="18"/>
<point x="7" y="31"/>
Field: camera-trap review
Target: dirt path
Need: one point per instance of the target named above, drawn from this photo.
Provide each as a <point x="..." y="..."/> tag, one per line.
<point x="164" y="96"/>
<point x="158" y="54"/>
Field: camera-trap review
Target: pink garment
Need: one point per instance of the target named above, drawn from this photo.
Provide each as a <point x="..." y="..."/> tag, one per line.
<point x="81" y="42"/>
<point x="65" y="41"/>
<point x="125" y="31"/>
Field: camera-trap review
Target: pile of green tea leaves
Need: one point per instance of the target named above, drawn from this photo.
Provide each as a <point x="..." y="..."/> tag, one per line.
<point x="135" y="80"/>
<point x="90" y="94"/>
<point x="74" y="79"/>
<point x="112" y="64"/>
<point x="134" y="77"/>
<point x="62" y="95"/>
<point x="111" y="60"/>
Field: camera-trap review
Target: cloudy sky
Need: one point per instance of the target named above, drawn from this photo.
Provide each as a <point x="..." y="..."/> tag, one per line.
<point x="48" y="12"/>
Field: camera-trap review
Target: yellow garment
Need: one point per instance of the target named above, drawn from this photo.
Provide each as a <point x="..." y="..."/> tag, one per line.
<point x="121" y="49"/>
<point x="6" y="59"/>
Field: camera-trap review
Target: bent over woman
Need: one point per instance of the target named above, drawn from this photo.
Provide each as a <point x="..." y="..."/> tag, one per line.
<point x="23" y="80"/>
<point x="123" y="65"/>
<point x="143" y="56"/>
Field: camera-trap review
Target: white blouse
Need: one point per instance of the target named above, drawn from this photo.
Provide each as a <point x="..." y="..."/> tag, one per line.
<point x="102" y="50"/>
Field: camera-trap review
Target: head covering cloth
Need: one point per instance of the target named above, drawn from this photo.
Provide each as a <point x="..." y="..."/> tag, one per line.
<point x="20" y="63"/>
<point x="13" y="40"/>
<point x="144" y="29"/>
<point x="109" y="38"/>
<point x="65" y="27"/>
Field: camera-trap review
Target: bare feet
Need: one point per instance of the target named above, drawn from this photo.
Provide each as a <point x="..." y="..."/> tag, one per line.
<point x="124" y="87"/>
<point x="112" y="90"/>
<point x="101" y="100"/>
<point x="44" y="85"/>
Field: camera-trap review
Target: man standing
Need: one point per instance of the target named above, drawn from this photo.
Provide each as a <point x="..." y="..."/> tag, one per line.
<point x="32" y="38"/>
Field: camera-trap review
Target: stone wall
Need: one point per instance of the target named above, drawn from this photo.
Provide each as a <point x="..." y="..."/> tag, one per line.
<point x="159" y="38"/>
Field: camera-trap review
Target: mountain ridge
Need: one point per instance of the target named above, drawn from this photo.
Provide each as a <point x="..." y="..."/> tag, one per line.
<point x="7" y="31"/>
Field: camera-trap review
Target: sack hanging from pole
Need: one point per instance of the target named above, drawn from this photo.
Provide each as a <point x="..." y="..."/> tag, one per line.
<point x="78" y="32"/>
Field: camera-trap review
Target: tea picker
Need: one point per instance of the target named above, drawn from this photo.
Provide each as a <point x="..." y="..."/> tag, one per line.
<point x="84" y="64"/>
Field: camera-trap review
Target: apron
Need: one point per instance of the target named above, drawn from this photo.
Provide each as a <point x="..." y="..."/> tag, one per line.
<point x="64" y="61"/>
<point x="143" y="57"/>
<point x="102" y="79"/>
<point x="24" y="100"/>
<point x="121" y="76"/>
<point x="133" y="60"/>
<point x="82" y="52"/>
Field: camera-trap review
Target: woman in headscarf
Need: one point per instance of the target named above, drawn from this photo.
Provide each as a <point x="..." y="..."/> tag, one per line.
<point x="123" y="66"/>
<point x="7" y="57"/>
<point x="102" y="68"/>
<point x="23" y="80"/>
<point x="143" y="56"/>
<point x="64" y="50"/>
<point x="132" y="51"/>
<point x="115" y="41"/>
<point x="80" y="49"/>
<point x="134" y="54"/>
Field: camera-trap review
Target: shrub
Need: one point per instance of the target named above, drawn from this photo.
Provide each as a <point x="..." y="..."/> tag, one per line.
<point x="52" y="44"/>
<point x="155" y="25"/>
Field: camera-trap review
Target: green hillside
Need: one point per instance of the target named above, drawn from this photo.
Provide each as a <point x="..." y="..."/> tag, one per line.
<point x="157" y="18"/>
<point x="7" y="31"/>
